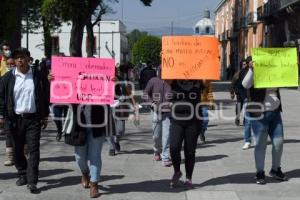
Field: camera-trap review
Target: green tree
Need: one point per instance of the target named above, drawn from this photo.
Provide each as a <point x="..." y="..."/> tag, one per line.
<point x="147" y="50"/>
<point x="102" y="9"/>
<point x="134" y="36"/>
<point x="14" y="11"/>
<point x="35" y="17"/>
<point x="11" y="21"/>
<point x="79" y="12"/>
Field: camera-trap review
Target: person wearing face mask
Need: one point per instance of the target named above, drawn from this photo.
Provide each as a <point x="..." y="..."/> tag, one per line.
<point x="5" y="54"/>
<point x="6" y="64"/>
<point x="10" y="64"/>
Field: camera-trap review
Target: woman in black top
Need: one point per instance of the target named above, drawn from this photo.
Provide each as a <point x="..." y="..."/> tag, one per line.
<point x="185" y="126"/>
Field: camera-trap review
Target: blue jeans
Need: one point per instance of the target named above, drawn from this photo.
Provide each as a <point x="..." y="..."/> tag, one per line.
<point x="247" y="128"/>
<point x="161" y="135"/>
<point x="91" y="151"/>
<point x="271" y="125"/>
<point x="205" y="118"/>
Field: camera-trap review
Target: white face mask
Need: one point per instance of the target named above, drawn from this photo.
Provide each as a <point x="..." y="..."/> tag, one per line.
<point x="7" y="53"/>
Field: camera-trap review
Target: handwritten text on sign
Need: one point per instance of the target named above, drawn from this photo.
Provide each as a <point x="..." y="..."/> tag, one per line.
<point x="82" y="80"/>
<point x="190" y="57"/>
<point x="275" y="67"/>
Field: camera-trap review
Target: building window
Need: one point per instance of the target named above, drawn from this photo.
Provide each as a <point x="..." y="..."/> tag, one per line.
<point x="197" y="30"/>
<point x="55" y="45"/>
<point x="207" y="30"/>
<point x="88" y="44"/>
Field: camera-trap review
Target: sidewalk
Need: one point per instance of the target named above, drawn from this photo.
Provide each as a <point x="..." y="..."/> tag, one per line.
<point x="223" y="170"/>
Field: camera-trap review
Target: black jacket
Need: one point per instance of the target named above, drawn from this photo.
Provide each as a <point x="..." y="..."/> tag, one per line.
<point x="41" y="90"/>
<point x="100" y="117"/>
<point x="258" y="96"/>
<point x="186" y="91"/>
<point x="146" y="74"/>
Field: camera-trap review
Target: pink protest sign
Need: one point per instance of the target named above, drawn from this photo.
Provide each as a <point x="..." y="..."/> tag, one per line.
<point x="82" y="80"/>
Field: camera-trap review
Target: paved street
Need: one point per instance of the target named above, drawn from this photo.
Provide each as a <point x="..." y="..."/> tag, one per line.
<point x="223" y="170"/>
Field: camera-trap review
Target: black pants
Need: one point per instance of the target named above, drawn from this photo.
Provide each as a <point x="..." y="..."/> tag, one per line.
<point x="8" y="139"/>
<point x="26" y="130"/>
<point x="187" y="132"/>
<point x="239" y="107"/>
<point x="59" y="111"/>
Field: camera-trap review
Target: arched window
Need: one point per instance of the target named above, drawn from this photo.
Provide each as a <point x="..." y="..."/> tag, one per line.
<point x="207" y="30"/>
<point x="197" y="30"/>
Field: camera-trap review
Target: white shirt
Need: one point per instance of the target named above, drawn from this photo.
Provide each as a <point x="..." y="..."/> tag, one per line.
<point x="24" y="97"/>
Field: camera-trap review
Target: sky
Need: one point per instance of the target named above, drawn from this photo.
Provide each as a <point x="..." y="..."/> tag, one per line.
<point x="183" y="13"/>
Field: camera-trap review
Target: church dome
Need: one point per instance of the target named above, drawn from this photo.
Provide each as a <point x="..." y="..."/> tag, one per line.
<point x="205" y="26"/>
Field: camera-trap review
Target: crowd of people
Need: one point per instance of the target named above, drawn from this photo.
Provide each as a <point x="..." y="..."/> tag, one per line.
<point x="177" y="119"/>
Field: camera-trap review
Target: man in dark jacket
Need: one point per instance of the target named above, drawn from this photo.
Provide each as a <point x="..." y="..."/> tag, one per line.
<point x="24" y="107"/>
<point x="146" y="74"/>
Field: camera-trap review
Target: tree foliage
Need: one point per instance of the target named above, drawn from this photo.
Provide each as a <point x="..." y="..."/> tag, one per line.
<point x="134" y="36"/>
<point x="10" y="21"/>
<point x="147" y="50"/>
<point x="48" y="14"/>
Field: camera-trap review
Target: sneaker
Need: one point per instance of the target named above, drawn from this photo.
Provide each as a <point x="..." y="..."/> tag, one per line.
<point x="247" y="145"/>
<point x="58" y="136"/>
<point x="202" y="138"/>
<point x="175" y="179"/>
<point x="157" y="157"/>
<point x="9" y="163"/>
<point x="112" y="152"/>
<point x="260" y="178"/>
<point x="188" y="184"/>
<point x="167" y="163"/>
<point x="21" y="181"/>
<point x="118" y="147"/>
<point x="278" y="175"/>
<point x="9" y="157"/>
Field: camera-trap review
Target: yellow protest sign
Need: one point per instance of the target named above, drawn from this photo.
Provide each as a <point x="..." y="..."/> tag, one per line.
<point x="190" y="57"/>
<point x="275" y="67"/>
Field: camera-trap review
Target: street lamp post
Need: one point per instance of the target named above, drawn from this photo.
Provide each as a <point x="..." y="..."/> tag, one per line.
<point x="99" y="40"/>
<point x="112" y="45"/>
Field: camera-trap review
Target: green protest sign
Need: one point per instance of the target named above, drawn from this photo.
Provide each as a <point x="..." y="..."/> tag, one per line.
<point x="275" y="67"/>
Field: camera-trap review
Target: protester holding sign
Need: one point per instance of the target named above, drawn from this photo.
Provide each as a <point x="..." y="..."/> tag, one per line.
<point x="89" y="83"/>
<point x="187" y="60"/>
<point x="185" y="127"/>
<point x="264" y="108"/>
